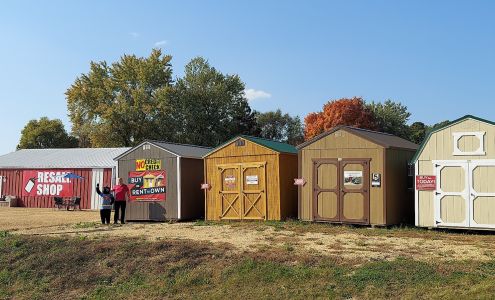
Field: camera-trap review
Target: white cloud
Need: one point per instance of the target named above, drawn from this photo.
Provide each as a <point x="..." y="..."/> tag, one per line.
<point x="252" y="94"/>
<point x="134" y="34"/>
<point x="161" y="43"/>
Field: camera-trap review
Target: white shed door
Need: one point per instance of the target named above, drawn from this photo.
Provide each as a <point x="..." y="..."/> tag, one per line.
<point x="452" y="200"/>
<point x="482" y="194"/>
<point x="97" y="177"/>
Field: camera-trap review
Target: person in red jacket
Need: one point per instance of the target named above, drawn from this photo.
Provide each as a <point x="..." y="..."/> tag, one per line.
<point x="121" y="192"/>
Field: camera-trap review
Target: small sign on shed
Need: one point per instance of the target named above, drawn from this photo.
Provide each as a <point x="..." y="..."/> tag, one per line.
<point x="426" y="183"/>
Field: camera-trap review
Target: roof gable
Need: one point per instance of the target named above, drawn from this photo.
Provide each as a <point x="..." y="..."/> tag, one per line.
<point x="457" y="121"/>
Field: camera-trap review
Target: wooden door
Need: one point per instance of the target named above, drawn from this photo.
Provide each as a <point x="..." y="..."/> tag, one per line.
<point x="96" y="177"/>
<point x="253" y="191"/>
<point x="354" y="191"/>
<point x="229" y="194"/>
<point x="451" y="200"/>
<point x="482" y="194"/>
<point x="341" y="190"/>
<point x="326" y="190"/>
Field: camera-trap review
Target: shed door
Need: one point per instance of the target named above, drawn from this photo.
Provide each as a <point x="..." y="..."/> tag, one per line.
<point x="253" y="191"/>
<point x="482" y="194"/>
<point x="452" y="194"/>
<point x="341" y="190"/>
<point x="97" y="177"/>
<point x="354" y="199"/>
<point x="326" y="190"/>
<point x="229" y="194"/>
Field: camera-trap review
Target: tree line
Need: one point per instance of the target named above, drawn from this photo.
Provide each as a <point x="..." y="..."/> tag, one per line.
<point x="138" y="98"/>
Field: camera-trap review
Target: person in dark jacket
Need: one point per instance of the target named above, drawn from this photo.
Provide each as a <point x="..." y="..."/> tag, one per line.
<point x="106" y="202"/>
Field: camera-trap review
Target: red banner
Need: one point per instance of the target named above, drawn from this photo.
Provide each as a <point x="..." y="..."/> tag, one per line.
<point x="426" y="183"/>
<point x="148" y="186"/>
<point x="49" y="183"/>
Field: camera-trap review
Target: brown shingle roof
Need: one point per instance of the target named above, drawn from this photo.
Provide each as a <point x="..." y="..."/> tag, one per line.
<point x="384" y="139"/>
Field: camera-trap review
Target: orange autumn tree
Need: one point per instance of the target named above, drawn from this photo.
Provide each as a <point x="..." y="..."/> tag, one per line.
<point x="350" y="112"/>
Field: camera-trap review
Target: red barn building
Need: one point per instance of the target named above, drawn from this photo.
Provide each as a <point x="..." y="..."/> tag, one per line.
<point x="36" y="176"/>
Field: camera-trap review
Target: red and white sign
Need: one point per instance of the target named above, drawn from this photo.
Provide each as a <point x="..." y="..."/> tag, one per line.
<point x="205" y="186"/>
<point x="426" y="183"/>
<point x="299" y="181"/>
<point x="148" y="186"/>
<point x="46" y="183"/>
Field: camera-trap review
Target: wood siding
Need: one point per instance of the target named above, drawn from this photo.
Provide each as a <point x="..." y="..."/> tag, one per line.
<point x="399" y="198"/>
<point x="81" y="187"/>
<point x="159" y="210"/>
<point x="342" y="144"/>
<point x="288" y="191"/>
<point x="275" y="187"/>
<point x="440" y="146"/>
<point x="192" y="198"/>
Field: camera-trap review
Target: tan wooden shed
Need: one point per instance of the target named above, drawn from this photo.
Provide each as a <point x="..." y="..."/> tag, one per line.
<point x="356" y="176"/>
<point x="251" y="179"/>
<point x="455" y="176"/>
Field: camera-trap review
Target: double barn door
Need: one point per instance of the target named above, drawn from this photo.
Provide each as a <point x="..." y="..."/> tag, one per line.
<point x="341" y="190"/>
<point x="242" y="193"/>
<point x="465" y="193"/>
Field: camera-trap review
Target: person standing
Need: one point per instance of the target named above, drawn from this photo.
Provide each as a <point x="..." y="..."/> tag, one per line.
<point x="121" y="192"/>
<point x="106" y="201"/>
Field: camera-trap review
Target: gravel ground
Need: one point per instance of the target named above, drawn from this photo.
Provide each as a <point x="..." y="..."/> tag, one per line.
<point x="347" y="245"/>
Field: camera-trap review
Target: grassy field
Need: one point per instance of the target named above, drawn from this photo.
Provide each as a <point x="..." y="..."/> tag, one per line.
<point x="71" y="256"/>
<point x="117" y="268"/>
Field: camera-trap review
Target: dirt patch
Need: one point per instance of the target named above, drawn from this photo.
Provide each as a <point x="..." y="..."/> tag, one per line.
<point x="347" y="243"/>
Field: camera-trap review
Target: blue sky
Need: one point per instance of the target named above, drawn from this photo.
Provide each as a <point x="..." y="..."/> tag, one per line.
<point x="436" y="57"/>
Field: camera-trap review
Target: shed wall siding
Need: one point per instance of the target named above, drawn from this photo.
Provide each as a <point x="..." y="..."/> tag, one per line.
<point x="159" y="211"/>
<point x="250" y="148"/>
<point x="288" y="191"/>
<point x="213" y="212"/>
<point x="400" y="200"/>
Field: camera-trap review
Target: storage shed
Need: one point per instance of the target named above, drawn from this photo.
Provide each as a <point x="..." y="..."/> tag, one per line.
<point x="455" y="176"/>
<point x="35" y="176"/>
<point x="356" y="176"/>
<point x="251" y="179"/>
<point x="164" y="180"/>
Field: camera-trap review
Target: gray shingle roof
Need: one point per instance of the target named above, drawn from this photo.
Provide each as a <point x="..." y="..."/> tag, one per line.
<point x="183" y="150"/>
<point x="384" y="139"/>
<point x="191" y="151"/>
<point x="61" y="158"/>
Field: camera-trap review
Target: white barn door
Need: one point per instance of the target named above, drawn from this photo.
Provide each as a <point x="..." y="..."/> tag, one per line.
<point x="482" y="194"/>
<point x="97" y="177"/>
<point x="451" y="200"/>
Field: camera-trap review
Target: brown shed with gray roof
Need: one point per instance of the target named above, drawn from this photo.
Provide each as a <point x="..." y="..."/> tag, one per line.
<point x="165" y="181"/>
<point x="356" y="176"/>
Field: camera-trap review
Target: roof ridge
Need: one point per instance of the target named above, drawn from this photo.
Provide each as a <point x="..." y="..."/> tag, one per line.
<point x="180" y="144"/>
<point x="262" y="138"/>
<point x="369" y="130"/>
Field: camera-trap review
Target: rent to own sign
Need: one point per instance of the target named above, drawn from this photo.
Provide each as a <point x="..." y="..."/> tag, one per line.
<point x="426" y="183"/>
<point x="46" y="183"/>
<point x="148" y="164"/>
<point x="148" y="186"/>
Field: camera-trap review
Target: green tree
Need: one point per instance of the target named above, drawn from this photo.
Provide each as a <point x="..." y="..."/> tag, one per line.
<point x="391" y="117"/>
<point x="45" y="133"/>
<point x="280" y="127"/>
<point x="208" y="107"/>
<point x="417" y="132"/>
<point x="121" y="104"/>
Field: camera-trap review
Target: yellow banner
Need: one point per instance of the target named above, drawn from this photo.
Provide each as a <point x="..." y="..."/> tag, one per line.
<point x="148" y="164"/>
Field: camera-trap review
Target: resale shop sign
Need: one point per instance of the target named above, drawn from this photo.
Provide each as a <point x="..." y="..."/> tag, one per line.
<point x="46" y="183"/>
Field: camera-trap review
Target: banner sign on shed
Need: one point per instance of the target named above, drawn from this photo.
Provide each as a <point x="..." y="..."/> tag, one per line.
<point x="251" y="179"/>
<point x="49" y="183"/>
<point x="426" y="183"/>
<point x="148" y="185"/>
<point x="353" y="177"/>
<point x="148" y="164"/>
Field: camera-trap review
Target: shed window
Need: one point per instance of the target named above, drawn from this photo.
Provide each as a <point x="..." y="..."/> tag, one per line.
<point x="146" y="147"/>
<point x="240" y="143"/>
<point x="469" y="143"/>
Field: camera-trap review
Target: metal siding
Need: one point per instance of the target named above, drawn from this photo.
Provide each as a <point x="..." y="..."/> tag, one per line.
<point x="81" y="187"/>
<point x="158" y="211"/>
